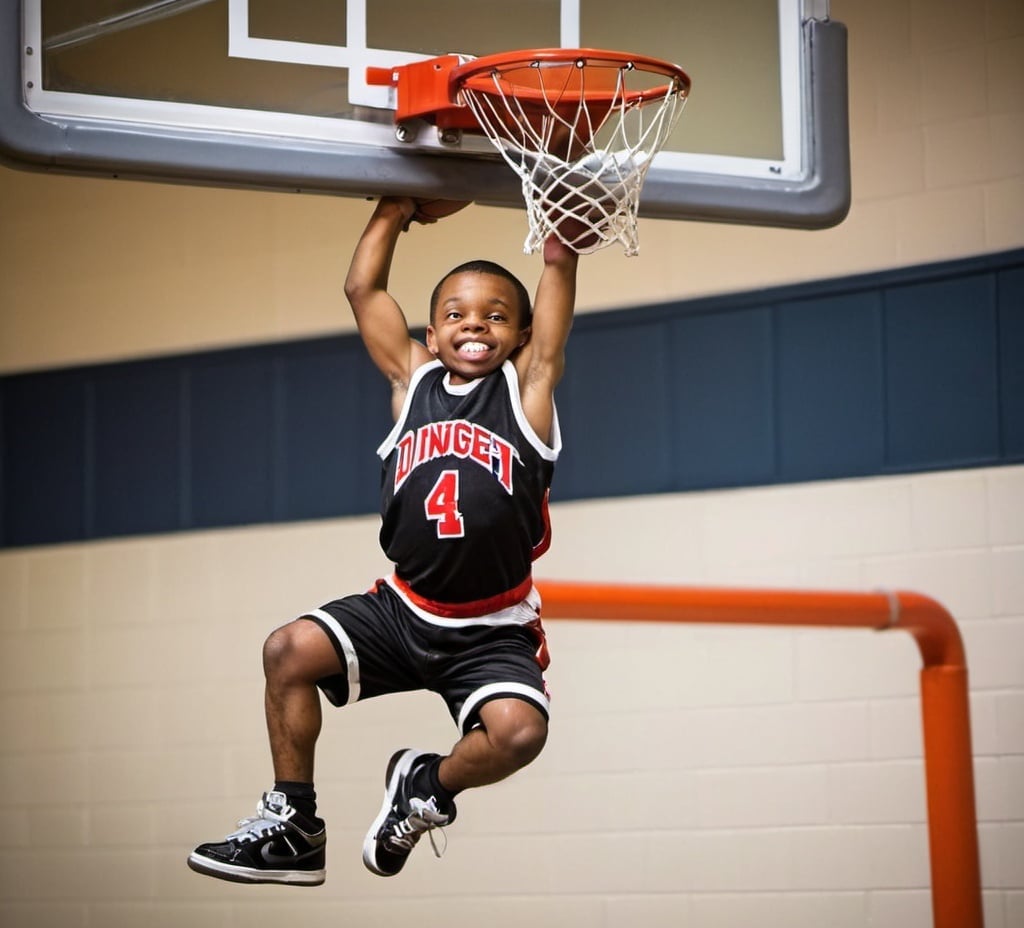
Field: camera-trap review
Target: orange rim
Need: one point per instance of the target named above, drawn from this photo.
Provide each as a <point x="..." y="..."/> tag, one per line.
<point x="524" y="72"/>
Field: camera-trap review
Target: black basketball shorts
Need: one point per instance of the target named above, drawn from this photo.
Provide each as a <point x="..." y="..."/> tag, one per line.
<point x="385" y="647"/>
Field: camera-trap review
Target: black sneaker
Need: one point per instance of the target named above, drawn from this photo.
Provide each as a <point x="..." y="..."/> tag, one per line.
<point x="277" y="845"/>
<point x="403" y="818"/>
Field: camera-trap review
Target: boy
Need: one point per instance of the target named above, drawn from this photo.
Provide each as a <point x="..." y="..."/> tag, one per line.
<point x="467" y="468"/>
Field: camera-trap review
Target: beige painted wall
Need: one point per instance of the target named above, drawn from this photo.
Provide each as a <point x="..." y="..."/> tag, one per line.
<point x="695" y="776"/>
<point x="103" y="269"/>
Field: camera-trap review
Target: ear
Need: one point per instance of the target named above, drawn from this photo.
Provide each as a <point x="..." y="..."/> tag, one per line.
<point x="524" y="336"/>
<point x="431" y="340"/>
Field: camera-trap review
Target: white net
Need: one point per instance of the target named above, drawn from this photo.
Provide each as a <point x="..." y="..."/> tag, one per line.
<point x="581" y="140"/>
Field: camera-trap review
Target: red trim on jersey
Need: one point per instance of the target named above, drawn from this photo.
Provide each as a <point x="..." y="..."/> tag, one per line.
<point x="468" y="610"/>
<point x="543" y="656"/>
<point x="545" y="542"/>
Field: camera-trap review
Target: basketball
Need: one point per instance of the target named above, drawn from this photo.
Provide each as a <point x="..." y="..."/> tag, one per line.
<point x="580" y="236"/>
<point x="428" y="211"/>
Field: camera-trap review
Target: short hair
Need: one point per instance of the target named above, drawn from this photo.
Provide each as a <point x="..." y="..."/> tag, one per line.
<point x="480" y="266"/>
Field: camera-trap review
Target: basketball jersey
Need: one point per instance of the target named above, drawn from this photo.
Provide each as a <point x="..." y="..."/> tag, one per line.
<point x="465" y="492"/>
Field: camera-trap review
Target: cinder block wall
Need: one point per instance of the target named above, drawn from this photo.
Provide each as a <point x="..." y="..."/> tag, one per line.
<point x="695" y="775"/>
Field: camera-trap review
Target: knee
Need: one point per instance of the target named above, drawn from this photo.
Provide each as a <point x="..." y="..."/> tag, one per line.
<point x="276" y="651"/>
<point x="521" y="738"/>
<point x="529" y="741"/>
<point x="283" y="653"/>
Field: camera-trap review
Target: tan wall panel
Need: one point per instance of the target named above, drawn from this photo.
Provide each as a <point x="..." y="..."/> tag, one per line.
<point x="690" y="769"/>
<point x="96" y="269"/>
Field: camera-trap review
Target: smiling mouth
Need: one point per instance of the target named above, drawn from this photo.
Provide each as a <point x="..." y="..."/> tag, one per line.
<point x="473" y="348"/>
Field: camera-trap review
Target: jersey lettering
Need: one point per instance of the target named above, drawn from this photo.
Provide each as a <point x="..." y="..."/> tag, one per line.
<point x="463" y="492"/>
<point x="442" y="506"/>
<point x="460" y="439"/>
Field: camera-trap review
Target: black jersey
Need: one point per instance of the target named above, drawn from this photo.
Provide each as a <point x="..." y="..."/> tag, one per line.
<point x="464" y="495"/>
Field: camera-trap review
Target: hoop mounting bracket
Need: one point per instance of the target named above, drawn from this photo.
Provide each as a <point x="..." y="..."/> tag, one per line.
<point x="424" y="91"/>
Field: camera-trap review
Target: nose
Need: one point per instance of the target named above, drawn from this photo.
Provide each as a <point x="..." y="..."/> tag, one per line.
<point x="472" y="324"/>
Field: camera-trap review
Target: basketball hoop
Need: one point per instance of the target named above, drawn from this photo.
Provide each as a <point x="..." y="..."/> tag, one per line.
<point x="579" y="127"/>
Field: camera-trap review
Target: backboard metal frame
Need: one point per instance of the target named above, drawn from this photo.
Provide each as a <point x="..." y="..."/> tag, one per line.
<point x="108" y="136"/>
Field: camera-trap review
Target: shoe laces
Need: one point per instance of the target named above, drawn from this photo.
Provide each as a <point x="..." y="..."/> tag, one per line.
<point x="256" y="826"/>
<point x="423" y="818"/>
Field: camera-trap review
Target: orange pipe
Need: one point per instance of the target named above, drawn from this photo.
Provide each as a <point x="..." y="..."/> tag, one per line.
<point x="948" y="758"/>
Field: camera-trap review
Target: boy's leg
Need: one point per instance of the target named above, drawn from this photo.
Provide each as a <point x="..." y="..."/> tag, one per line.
<point x="512" y="734"/>
<point x="494" y="687"/>
<point x="295" y="657"/>
<point x="283" y="843"/>
<point x="420" y="788"/>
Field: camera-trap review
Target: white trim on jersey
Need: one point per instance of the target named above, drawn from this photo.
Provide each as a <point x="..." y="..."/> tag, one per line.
<point x="547" y="452"/>
<point x="348" y="649"/>
<point x="501" y="689"/>
<point x="388" y="445"/>
<point x="458" y="389"/>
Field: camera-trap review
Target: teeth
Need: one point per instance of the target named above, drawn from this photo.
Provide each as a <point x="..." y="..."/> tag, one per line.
<point x="474" y="347"/>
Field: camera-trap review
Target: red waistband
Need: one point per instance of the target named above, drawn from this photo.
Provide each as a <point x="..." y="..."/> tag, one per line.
<point x="467" y="610"/>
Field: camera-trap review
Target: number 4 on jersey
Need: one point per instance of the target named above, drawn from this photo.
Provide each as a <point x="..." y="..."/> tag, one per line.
<point x="442" y="506"/>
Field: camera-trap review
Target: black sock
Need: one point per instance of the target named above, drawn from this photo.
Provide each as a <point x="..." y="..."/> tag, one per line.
<point x="426" y="782"/>
<point x="301" y="796"/>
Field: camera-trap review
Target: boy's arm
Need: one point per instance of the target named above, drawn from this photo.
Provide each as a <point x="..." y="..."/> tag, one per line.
<point x="541" y="361"/>
<point x="382" y="324"/>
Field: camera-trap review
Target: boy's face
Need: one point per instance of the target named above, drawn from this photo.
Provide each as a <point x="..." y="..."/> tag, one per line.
<point x="476" y="325"/>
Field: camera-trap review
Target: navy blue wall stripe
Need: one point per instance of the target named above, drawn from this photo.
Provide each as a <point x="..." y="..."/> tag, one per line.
<point x="1010" y="285"/>
<point x="901" y="371"/>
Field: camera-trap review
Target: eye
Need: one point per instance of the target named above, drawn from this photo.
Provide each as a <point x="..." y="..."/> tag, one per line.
<point x="497" y="317"/>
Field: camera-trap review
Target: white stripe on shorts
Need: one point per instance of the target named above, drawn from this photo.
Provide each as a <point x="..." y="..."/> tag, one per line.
<point x="351" y="660"/>
<point x="492" y="689"/>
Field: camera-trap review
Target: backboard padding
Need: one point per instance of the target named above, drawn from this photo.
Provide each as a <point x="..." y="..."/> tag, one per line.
<point x="763" y="139"/>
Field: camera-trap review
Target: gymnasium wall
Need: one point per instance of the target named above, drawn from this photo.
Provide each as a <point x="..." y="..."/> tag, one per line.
<point x="911" y="370"/>
<point x="695" y="775"/>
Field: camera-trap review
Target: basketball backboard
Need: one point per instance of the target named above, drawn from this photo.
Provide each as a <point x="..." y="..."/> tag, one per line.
<point x="264" y="94"/>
